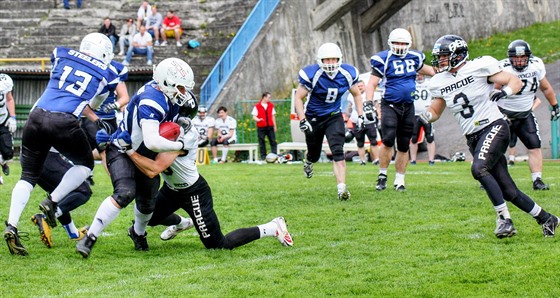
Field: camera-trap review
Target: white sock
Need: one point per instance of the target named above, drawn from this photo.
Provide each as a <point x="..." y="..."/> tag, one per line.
<point x="268" y="229"/>
<point x="224" y="153"/>
<point x="383" y="171"/>
<point x="536" y="210"/>
<point x="20" y="197"/>
<point x="185" y="221"/>
<point x="399" y="179"/>
<point x="536" y="175"/>
<point x="502" y="210"/>
<point x="71" y="230"/>
<point x="341" y="187"/>
<point x="105" y="215"/>
<point x="512" y="157"/>
<point x="75" y="176"/>
<point x="141" y="221"/>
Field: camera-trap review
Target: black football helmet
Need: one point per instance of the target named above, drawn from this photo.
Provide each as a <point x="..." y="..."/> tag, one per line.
<point x="190" y="108"/>
<point x="520" y="49"/>
<point x="452" y="45"/>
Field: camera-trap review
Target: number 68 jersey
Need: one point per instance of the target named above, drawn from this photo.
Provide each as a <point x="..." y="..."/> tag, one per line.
<point x="467" y="93"/>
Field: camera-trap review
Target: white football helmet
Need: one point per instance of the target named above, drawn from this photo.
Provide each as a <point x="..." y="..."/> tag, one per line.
<point x="400" y="35"/>
<point x="175" y="79"/>
<point x="6" y="83"/>
<point x="271" y="158"/>
<point x="329" y="50"/>
<point x="98" y="46"/>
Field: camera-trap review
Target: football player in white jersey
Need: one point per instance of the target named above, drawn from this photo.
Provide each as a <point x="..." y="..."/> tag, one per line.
<point x="8" y="123"/>
<point x="226" y="127"/>
<point x="370" y="128"/>
<point x="422" y="100"/>
<point x="186" y="189"/>
<point x="467" y="89"/>
<point x="204" y="124"/>
<point x="518" y="107"/>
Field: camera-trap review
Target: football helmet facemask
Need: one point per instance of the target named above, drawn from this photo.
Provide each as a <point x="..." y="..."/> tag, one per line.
<point x="399" y="35"/>
<point x="452" y="46"/>
<point x="6" y="83"/>
<point x="175" y="79"/>
<point x="98" y="46"/>
<point x="329" y="50"/>
<point x="519" y="53"/>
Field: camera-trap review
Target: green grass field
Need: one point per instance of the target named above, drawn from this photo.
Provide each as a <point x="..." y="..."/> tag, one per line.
<point x="434" y="240"/>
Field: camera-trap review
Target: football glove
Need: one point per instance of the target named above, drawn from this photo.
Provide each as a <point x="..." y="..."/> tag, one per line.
<point x="555" y="112"/>
<point x="101" y="124"/>
<point x="11" y="124"/>
<point x="425" y="117"/>
<point x="360" y="124"/>
<point x="102" y="138"/>
<point x="123" y="141"/>
<point x="369" y="111"/>
<point x="497" y="95"/>
<point x="305" y="126"/>
<point x="111" y="107"/>
<point x="185" y="123"/>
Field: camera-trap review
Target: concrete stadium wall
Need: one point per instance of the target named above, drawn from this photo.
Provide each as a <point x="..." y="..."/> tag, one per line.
<point x="288" y="42"/>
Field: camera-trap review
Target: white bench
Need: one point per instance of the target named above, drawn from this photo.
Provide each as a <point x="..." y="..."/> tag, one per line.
<point x="287" y="146"/>
<point x="252" y="148"/>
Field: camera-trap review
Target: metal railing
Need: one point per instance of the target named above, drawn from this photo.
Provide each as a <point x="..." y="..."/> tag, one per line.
<point x="42" y="60"/>
<point x="235" y="51"/>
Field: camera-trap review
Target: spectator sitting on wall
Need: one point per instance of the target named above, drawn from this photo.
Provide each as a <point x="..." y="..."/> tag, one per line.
<point x="153" y="24"/>
<point x="171" y="27"/>
<point x="128" y="31"/>
<point x="109" y="30"/>
<point x="141" y="45"/>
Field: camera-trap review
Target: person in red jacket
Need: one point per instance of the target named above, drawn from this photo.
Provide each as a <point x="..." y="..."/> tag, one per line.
<point x="265" y="116"/>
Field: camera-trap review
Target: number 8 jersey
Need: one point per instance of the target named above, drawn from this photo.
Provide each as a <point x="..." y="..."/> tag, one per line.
<point x="76" y="79"/>
<point x="467" y="93"/>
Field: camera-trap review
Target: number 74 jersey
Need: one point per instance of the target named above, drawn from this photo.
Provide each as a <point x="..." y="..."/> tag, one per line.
<point x="467" y="93"/>
<point x="531" y="77"/>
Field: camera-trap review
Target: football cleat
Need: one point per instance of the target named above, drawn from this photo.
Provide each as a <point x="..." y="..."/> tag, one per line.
<point x="140" y="242"/>
<point x="538" y="184"/>
<point x="45" y="232"/>
<point x="399" y="188"/>
<point x="511" y="163"/>
<point x="362" y="162"/>
<point x="6" y="169"/>
<point x="308" y="169"/>
<point x="85" y="245"/>
<point x="12" y="239"/>
<point x="381" y="182"/>
<point x="172" y="231"/>
<point x="82" y="232"/>
<point x="431" y="162"/>
<point x="549" y="227"/>
<point x="344" y="196"/>
<point x="413" y="162"/>
<point x="504" y="227"/>
<point x="375" y="162"/>
<point x="282" y="233"/>
<point x="49" y="209"/>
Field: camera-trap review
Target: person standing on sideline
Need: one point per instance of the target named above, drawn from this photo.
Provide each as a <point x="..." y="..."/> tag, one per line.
<point x="204" y="125"/>
<point x="397" y="67"/>
<point x="422" y="100"/>
<point x="518" y="107"/>
<point x="467" y="89"/>
<point x="265" y="116"/>
<point x="79" y="80"/>
<point x="370" y="129"/>
<point x="326" y="82"/>
<point x="226" y="128"/>
<point x="8" y="124"/>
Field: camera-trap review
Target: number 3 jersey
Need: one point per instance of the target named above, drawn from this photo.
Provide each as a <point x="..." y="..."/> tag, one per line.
<point x="531" y="76"/>
<point x="467" y="93"/>
<point x="76" y="79"/>
<point x="326" y="91"/>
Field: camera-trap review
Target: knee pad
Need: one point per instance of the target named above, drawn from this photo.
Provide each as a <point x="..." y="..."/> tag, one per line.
<point x="403" y="144"/>
<point x="429" y="139"/>
<point x="479" y="170"/>
<point x="123" y="197"/>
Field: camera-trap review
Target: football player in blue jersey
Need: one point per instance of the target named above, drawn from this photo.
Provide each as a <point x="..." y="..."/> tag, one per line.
<point x="79" y="80"/>
<point x="157" y="101"/>
<point x="324" y="83"/>
<point x="397" y="67"/>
